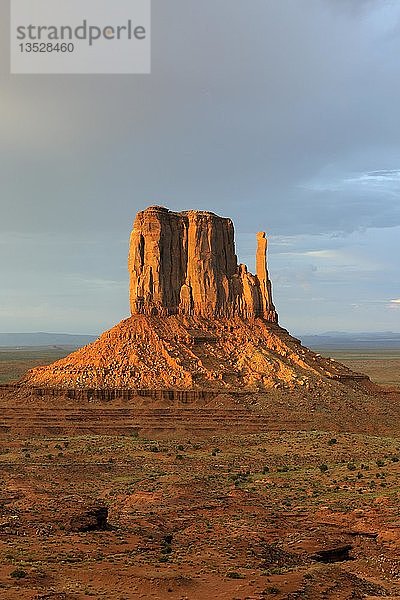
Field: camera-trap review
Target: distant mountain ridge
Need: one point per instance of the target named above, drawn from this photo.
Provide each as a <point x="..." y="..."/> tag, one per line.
<point x="341" y="339"/>
<point x="12" y="340"/>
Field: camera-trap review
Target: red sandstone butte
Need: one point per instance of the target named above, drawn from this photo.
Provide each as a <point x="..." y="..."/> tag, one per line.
<point x="185" y="263"/>
<point x="199" y="320"/>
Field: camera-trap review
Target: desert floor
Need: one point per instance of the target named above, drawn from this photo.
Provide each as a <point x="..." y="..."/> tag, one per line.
<point x="284" y="512"/>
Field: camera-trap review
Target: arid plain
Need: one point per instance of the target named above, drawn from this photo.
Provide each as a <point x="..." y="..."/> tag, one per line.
<point x="239" y="511"/>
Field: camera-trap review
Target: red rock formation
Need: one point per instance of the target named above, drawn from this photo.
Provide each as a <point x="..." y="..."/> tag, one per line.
<point x="199" y="320"/>
<point x="190" y="353"/>
<point x="185" y="263"/>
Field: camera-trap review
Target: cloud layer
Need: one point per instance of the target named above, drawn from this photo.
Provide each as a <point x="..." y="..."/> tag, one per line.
<point x="282" y="115"/>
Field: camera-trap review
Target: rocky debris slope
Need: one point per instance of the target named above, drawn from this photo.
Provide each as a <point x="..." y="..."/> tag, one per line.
<point x="199" y="320"/>
<point x="179" y="352"/>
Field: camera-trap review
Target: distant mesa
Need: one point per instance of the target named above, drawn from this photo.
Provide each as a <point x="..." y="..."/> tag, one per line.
<point x="199" y="320"/>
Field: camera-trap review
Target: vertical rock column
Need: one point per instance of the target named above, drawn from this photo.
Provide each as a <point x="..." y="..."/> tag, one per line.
<point x="157" y="261"/>
<point x="268" y="308"/>
<point x="211" y="262"/>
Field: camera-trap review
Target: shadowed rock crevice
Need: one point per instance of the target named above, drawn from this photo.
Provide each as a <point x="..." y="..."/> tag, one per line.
<point x="331" y="555"/>
<point x="93" y="517"/>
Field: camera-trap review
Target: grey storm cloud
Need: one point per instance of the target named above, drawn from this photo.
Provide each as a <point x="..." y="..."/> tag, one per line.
<point x="282" y="114"/>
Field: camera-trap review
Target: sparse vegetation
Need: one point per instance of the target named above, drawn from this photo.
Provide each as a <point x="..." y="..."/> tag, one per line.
<point x="234" y="575"/>
<point x="198" y="513"/>
<point x="18" y="574"/>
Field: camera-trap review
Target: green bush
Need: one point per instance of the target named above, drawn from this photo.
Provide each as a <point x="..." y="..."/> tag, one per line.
<point x="18" y="574"/>
<point x="272" y="590"/>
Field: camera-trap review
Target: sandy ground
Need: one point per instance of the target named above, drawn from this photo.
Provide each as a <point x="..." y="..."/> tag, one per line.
<point x="273" y="499"/>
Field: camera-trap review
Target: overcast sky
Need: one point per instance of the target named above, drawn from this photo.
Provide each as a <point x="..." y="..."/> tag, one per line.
<point x="281" y="114"/>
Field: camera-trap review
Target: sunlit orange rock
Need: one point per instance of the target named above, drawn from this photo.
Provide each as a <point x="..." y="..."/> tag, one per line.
<point x="199" y="320"/>
<point x="185" y="263"/>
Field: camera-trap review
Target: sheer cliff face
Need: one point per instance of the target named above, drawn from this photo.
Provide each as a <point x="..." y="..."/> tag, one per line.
<point x="185" y="263"/>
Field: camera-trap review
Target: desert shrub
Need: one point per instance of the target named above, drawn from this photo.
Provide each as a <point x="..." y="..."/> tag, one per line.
<point x="308" y="576"/>
<point x="380" y="463"/>
<point x="239" y="478"/>
<point x="323" y="468"/>
<point x="167" y="539"/>
<point x="234" y="575"/>
<point x="271" y="590"/>
<point x="265" y="470"/>
<point x="18" y="574"/>
<point x="351" y="466"/>
<point x="332" y="442"/>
